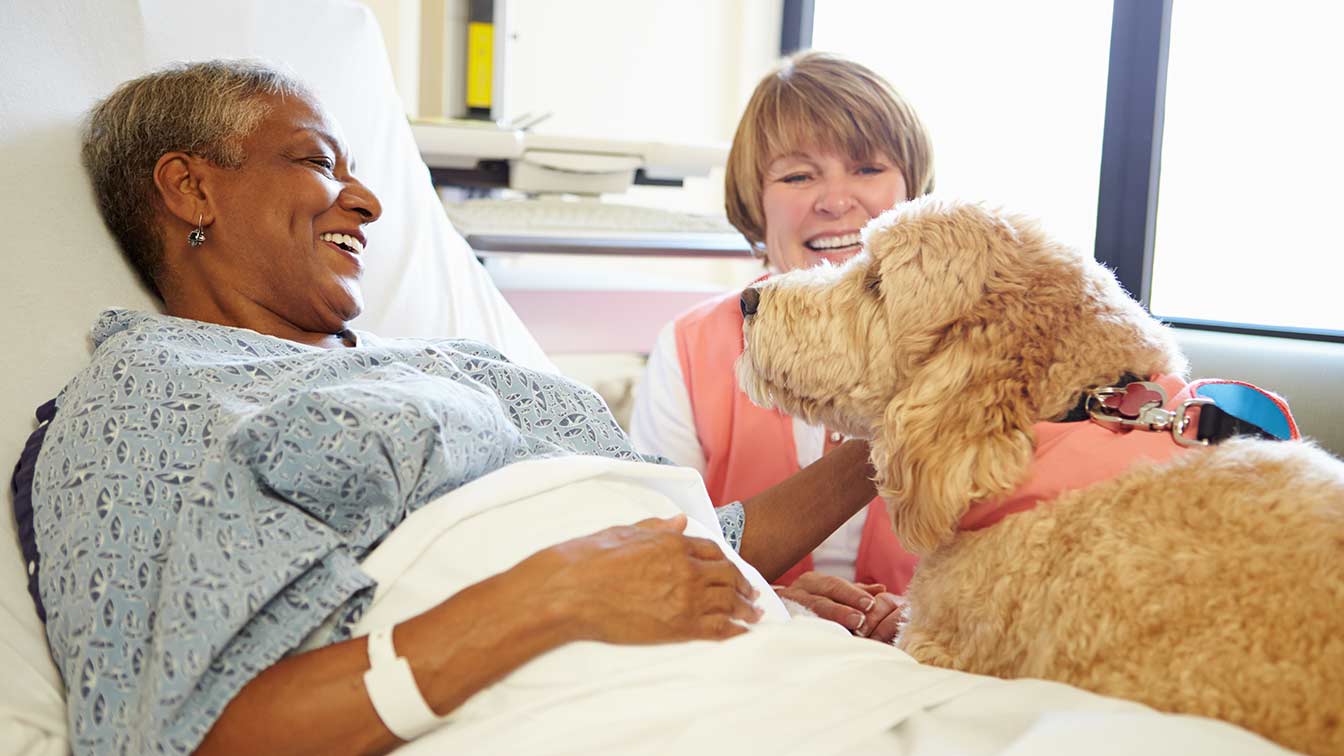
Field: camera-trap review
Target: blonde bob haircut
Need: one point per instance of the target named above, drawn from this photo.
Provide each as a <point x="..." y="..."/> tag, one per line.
<point x="821" y="101"/>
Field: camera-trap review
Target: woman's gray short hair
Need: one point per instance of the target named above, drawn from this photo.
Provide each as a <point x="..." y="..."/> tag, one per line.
<point x="206" y="109"/>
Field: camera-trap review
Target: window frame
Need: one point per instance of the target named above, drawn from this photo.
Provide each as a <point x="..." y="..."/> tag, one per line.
<point x="1131" y="151"/>
<point x="795" y="32"/>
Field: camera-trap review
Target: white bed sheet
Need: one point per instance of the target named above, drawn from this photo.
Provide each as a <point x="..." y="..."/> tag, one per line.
<point x="799" y="686"/>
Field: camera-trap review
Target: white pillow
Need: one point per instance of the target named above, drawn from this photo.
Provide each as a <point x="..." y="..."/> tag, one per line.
<point x="61" y="268"/>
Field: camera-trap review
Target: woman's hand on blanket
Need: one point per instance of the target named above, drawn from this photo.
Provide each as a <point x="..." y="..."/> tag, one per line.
<point x="645" y="583"/>
<point x="865" y="609"/>
<point x="882" y="622"/>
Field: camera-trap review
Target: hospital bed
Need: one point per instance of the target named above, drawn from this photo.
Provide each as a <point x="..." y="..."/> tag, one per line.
<point x="62" y="268"/>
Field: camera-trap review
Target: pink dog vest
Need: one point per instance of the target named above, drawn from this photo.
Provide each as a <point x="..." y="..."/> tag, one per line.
<point x="748" y="449"/>
<point x="1075" y="455"/>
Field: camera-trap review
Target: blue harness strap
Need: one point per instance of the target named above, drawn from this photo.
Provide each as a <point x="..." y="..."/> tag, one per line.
<point x="1242" y="409"/>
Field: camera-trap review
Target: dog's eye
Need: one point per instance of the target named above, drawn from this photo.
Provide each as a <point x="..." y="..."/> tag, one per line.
<point x="873" y="283"/>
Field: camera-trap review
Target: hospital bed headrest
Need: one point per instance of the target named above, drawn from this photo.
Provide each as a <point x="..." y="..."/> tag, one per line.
<point x="62" y="266"/>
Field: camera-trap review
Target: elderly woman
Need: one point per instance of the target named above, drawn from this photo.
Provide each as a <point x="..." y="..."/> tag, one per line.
<point x="210" y="482"/>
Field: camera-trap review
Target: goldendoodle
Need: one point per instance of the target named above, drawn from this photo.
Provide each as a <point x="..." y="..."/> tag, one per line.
<point x="974" y="351"/>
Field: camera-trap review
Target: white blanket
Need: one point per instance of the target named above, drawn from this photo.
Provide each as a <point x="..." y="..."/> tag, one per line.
<point x="789" y="686"/>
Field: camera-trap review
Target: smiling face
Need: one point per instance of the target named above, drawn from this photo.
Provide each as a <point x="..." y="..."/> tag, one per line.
<point x="285" y="232"/>
<point x="816" y="202"/>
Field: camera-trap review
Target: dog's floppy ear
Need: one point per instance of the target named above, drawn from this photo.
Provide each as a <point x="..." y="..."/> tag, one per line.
<point x="960" y="432"/>
<point x="959" y="428"/>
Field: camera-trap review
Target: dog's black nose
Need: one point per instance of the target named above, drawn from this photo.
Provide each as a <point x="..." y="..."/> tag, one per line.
<point x="750" y="298"/>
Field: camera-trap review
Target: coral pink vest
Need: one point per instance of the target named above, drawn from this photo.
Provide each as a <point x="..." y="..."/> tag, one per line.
<point x="748" y="449"/>
<point x="1070" y="456"/>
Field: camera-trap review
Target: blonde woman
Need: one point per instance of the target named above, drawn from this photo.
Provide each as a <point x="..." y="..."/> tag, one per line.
<point x="825" y="145"/>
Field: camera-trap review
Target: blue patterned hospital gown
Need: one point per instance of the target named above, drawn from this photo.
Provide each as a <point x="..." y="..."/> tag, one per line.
<point x="205" y="494"/>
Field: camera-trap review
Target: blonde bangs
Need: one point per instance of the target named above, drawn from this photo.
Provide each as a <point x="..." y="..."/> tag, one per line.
<point x="795" y="121"/>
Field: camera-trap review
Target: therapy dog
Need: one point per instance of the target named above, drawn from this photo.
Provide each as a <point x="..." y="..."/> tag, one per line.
<point x="1037" y="446"/>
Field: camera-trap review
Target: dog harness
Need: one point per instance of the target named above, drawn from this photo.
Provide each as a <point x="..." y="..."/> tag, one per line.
<point x="1136" y="423"/>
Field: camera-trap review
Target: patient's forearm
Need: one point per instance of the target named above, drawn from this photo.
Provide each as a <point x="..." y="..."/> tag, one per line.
<point x="785" y="522"/>
<point x="315" y="702"/>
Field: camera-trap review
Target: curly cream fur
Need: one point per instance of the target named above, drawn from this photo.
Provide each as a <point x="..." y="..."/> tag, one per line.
<point x="1212" y="585"/>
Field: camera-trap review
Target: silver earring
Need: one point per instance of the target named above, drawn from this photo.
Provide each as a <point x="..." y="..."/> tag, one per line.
<point x="197" y="237"/>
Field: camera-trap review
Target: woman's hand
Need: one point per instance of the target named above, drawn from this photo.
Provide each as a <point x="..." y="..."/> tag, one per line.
<point x="644" y="583"/>
<point x="865" y="609"/>
<point x="641" y="583"/>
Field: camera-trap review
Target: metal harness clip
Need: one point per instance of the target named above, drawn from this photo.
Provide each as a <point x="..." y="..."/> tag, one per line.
<point x="1140" y="405"/>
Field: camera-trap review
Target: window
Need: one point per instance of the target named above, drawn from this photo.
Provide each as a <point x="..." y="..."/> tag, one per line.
<point x="1220" y="160"/>
<point x="1252" y="164"/>
<point x="1013" y="94"/>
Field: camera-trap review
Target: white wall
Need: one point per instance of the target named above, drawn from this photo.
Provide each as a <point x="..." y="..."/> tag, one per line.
<point x="400" y="22"/>
<point x="659" y="70"/>
<point x="643" y="69"/>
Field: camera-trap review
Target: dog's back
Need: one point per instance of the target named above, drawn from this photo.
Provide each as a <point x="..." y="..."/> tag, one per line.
<point x="1210" y="585"/>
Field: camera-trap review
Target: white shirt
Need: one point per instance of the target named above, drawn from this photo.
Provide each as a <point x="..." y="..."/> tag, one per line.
<point x="663" y="424"/>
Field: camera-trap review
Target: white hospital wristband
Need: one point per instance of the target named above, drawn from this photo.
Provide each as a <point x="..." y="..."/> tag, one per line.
<point x="393" y="691"/>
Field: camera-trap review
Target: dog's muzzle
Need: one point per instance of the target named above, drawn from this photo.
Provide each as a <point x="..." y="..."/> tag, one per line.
<point x="751" y="297"/>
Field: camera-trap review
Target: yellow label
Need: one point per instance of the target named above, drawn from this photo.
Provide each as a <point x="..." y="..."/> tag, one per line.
<point x="480" y="63"/>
